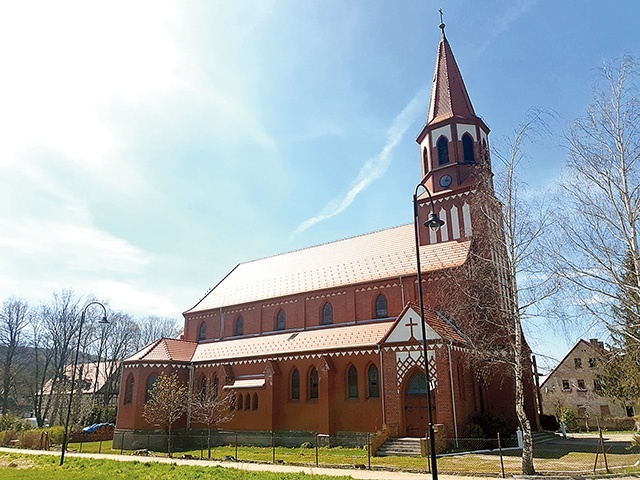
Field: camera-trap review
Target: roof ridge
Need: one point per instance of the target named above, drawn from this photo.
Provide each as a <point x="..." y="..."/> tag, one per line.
<point x="302" y="249"/>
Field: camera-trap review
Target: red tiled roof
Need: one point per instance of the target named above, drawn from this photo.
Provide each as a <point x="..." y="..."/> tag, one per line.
<point x="166" y="349"/>
<point x="374" y="256"/>
<point x="443" y="327"/>
<point x="449" y="97"/>
<point x="325" y="339"/>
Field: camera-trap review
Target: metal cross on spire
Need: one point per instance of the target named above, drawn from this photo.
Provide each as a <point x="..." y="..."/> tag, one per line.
<point x="442" y="25"/>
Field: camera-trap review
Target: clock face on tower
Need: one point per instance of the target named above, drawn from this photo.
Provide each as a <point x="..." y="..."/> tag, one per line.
<point x="445" y="181"/>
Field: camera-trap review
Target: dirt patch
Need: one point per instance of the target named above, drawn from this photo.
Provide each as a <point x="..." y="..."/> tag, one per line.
<point x="18" y="463"/>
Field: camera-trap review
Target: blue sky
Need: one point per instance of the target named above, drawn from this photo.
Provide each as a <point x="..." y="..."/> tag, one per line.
<point x="146" y="148"/>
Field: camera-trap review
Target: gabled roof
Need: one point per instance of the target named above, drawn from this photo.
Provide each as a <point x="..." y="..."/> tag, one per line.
<point x="166" y="349"/>
<point x="437" y="326"/>
<point x="379" y="255"/>
<point x="598" y="349"/>
<point x="449" y="97"/>
<point x="327" y="339"/>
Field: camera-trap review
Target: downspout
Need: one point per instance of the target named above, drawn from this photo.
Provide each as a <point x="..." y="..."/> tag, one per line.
<point x="382" y="392"/>
<point x="453" y="395"/>
<point x="221" y="324"/>
<point x="191" y="368"/>
<point x="402" y="289"/>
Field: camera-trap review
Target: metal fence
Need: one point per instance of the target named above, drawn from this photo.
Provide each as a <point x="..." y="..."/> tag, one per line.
<point x="578" y="454"/>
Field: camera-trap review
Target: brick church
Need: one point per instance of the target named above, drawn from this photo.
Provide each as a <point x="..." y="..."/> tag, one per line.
<point x="328" y="339"/>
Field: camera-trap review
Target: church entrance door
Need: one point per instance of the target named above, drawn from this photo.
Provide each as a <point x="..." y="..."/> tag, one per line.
<point x="416" y="407"/>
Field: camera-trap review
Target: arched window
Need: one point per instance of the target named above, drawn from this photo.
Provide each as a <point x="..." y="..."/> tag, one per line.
<point x="247" y="402"/>
<point x="128" y="392"/>
<point x="255" y="401"/>
<point x="372" y="382"/>
<point x="327" y="314"/>
<point x="295" y="384"/>
<point x="425" y="159"/>
<point x="238" y="329"/>
<point x="151" y="382"/>
<point x="381" y="307"/>
<point x="281" y="320"/>
<point x="203" y="387"/>
<point x="313" y="383"/>
<point x="418" y="385"/>
<point x="443" y="150"/>
<point x="467" y="148"/>
<point x="352" y="380"/>
<point x="203" y="332"/>
<point x="215" y="387"/>
<point x="233" y="402"/>
<point x="240" y="402"/>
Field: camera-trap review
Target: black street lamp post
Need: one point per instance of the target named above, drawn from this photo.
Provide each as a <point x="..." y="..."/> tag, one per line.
<point x="103" y="321"/>
<point x="434" y="223"/>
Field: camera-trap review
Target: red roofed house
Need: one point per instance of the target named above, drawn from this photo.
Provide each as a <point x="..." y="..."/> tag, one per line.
<point x="327" y="339"/>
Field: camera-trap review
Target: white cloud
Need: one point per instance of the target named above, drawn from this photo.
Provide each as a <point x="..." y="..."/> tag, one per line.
<point x="63" y="60"/>
<point x="373" y="168"/>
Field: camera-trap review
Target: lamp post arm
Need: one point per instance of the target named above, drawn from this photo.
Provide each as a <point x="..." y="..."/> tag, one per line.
<point x="65" y="438"/>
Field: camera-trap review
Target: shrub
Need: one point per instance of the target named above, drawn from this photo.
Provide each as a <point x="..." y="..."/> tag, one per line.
<point x="492" y="423"/>
<point x="31" y="439"/>
<point x="549" y="422"/>
<point x="567" y="416"/>
<point x="474" y="431"/>
<point x="56" y="434"/>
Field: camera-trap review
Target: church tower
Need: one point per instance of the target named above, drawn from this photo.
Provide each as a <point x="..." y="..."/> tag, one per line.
<point x="454" y="149"/>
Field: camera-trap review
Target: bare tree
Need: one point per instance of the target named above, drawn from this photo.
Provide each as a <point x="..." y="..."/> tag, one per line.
<point x="14" y="318"/>
<point x="504" y="282"/>
<point x="168" y="401"/>
<point x="210" y="407"/>
<point x="599" y="255"/>
<point x="152" y="327"/>
<point x="54" y="327"/>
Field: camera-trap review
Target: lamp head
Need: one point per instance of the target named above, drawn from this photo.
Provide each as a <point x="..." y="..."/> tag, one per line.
<point x="434" y="222"/>
<point x="103" y="320"/>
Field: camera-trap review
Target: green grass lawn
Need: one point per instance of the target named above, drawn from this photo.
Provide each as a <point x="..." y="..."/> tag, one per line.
<point x="571" y="456"/>
<point x="37" y="467"/>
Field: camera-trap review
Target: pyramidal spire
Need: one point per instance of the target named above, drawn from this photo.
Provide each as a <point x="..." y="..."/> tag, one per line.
<point x="449" y="97"/>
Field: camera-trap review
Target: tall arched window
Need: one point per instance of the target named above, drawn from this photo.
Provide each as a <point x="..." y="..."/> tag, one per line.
<point x="467" y="148"/>
<point x="425" y="159"/>
<point x="203" y="332"/>
<point x="151" y="382"/>
<point x="255" y="401"/>
<point x="352" y="380"/>
<point x="247" y="402"/>
<point x="373" y="386"/>
<point x="295" y="384"/>
<point x="327" y="314"/>
<point x="240" y="402"/>
<point x="238" y="328"/>
<point x="381" y="307"/>
<point x="233" y="402"/>
<point x="215" y="387"/>
<point x="313" y="383"/>
<point x="443" y="150"/>
<point x="203" y="387"/>
<point x="281" y="320"/>
<point x="128" y="392"/>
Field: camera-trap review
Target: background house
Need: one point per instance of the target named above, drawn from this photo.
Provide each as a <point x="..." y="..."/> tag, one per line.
<point x="574" y="384"/>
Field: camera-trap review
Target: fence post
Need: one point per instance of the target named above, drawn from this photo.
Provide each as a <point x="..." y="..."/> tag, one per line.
<point x="100" y="447"/>
<point x="316" y="449"/>
<point x="122" y="443"/>
<point x="236" y="446"/>
<point x="369" y="449"/>
<point x="273" y="448"/>
<point x="501" y="459"/>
